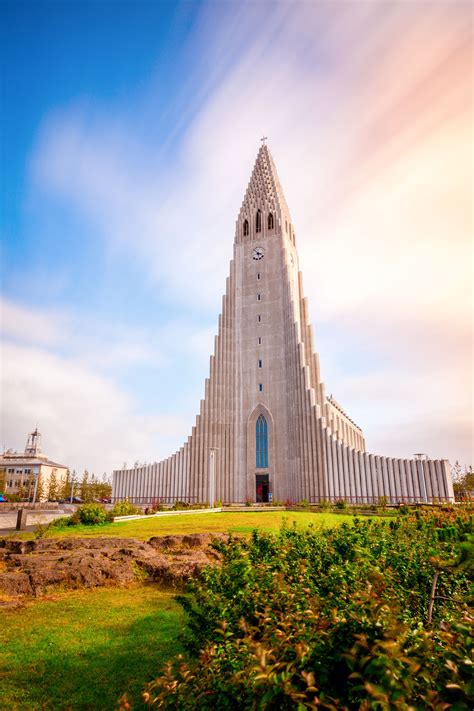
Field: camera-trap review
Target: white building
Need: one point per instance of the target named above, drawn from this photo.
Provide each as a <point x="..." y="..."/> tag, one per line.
<point x="29" y="471"/>
<point x="266" y="427"/>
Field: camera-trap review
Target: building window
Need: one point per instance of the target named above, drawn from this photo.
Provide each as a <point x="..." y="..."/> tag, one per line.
<point x="259" y="340"/>
<point x="258" y="276"/>
<point x="11" y="471"/>
<point x="260" y="364"/>
<point x="261" y="442"/>
<point x="246" y="228"/>
<point x="286" y="225"/>
<point x="260" y="387"/>
<point x="258" y="221"/>
<point x="259" y="297"/>
<point x="259" y="318"/>
<point x="270" y="221"/>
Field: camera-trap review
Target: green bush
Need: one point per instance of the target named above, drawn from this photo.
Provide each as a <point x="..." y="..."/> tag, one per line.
<point x="92" y="514"/>
<point x="180" y="506"/>
<point x="125" y="508"/>
<point x="341" y="504"/>
<point x="336" y="618"/>
<point x="62" y="521"/>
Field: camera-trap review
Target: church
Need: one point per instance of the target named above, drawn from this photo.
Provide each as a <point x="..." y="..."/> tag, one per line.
<point x="266" y="429"/>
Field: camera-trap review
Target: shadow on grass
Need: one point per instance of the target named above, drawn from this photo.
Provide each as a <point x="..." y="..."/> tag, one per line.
<point x="92" y="665"/>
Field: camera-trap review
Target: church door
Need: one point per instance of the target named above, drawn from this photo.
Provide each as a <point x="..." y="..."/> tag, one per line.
<point x="262" y="488"/>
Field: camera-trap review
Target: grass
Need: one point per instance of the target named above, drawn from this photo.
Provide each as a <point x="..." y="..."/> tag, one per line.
<point x="237" y="522"/>
<point x="84" y="649"/>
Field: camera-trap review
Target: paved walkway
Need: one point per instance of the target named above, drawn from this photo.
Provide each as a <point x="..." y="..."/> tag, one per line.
<point x="8" y="520"/>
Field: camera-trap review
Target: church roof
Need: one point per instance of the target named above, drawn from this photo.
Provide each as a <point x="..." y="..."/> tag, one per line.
<point x="264" y="189"/>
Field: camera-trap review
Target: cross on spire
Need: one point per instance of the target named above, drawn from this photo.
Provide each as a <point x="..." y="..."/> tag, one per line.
<point x="263" y="139"/>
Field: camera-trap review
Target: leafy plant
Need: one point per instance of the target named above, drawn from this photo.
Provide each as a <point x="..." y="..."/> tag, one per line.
<point x="125" y="508"/>
<point x="92" y="514"/>
<point x="336" y="618"/>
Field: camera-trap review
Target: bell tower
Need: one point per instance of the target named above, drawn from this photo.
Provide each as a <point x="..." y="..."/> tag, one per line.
<point x="266" y="428"/>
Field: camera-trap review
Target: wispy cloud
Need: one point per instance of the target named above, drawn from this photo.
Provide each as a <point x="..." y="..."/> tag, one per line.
<point x="369" y="111"/>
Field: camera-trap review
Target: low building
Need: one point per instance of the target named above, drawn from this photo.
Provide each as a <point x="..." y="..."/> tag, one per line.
<point x="31" y="473"/>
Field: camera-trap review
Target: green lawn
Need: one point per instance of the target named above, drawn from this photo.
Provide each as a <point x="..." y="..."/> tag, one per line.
<point x="238" y="522"/>
<point x="84" y="649"/>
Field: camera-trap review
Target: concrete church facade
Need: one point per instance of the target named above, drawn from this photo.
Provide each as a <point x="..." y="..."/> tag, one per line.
<point x="266" y="428"/>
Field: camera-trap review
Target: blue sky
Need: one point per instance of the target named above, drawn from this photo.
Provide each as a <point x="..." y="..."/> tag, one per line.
<point x="129" y="132"/>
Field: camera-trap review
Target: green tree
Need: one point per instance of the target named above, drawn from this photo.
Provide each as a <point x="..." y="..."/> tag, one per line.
<point x="53" y="488"/>
<point x="463" y="480"/>
<point x="40" y="489"/>
<point x="3" y="478"/>
<point x="84" y="486"/>
<point x="65" y="488"/>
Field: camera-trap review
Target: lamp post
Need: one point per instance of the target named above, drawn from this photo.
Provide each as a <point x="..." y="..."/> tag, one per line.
<point x="212" y="476"/>
<point x="37" y="476"/>
<point x="73" y="481"/>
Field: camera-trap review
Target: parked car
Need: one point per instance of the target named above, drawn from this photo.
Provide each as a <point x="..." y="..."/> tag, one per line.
<point x="3" y="499"/>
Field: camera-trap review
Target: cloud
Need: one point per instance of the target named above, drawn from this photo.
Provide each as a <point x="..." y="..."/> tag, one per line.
<point x="87" y="421"/>
<point x="368" y="109"/>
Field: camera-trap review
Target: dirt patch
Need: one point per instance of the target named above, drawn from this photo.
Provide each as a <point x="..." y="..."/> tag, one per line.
<point x="37" y="567"/>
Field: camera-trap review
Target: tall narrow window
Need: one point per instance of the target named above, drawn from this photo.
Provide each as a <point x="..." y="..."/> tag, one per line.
<point x="258" y="221"/>
<point x="259" y="340"/>
<point x="270" y="221"/>
<point x="260" y="387"/>
<point x="260" y="364"/>
<point x="258" y="277"/>
<point x="259" y="297"/>
<point x="261" y="442"/>
<point x="246" y="228"/>
<point x="259" y="318"/>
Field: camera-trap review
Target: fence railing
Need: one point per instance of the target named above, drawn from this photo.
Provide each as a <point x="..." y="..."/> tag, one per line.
<point x="314" y="500"/>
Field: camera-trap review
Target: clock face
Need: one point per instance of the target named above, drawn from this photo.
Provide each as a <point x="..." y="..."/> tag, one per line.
<point x="258" y="253"/>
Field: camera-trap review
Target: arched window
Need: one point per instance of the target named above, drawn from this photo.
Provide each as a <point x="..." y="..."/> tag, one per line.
<point x="270" y="221"/>
<point x="258" y="221"/>
<point x="246" y="228"/>
<point x="261" y="442"/>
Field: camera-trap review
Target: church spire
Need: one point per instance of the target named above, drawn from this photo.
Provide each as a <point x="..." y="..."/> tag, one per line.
<point x="264" y="208"/>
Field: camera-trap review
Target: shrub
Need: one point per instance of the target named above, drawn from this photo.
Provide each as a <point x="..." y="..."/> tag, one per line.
<point x="180" y="505"/>
<point x="125" y="508"/>
<point x="218" y="504"/>
<point x="341" y="504"/>
<point x="324" y="505"/>
<point x="62" y="521"/>
<point x="304" y="504"/>
<point x="248" y="502"/>
<point x="92" y="514"/>
<point x="335" y="618"/>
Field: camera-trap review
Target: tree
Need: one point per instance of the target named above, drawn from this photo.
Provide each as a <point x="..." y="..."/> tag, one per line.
<point x="53" y="489"/>
<point x="463" y="481"/>
<point x="84" y="486"/>
<point x="40" y="493"/>
<point x="66" y="485"/>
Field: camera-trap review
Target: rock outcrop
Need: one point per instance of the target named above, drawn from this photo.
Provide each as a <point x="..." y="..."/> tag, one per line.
<point x="37" y="567"/>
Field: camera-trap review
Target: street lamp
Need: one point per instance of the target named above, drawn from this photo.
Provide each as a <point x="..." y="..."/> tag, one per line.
<point x="73" y="481"/>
